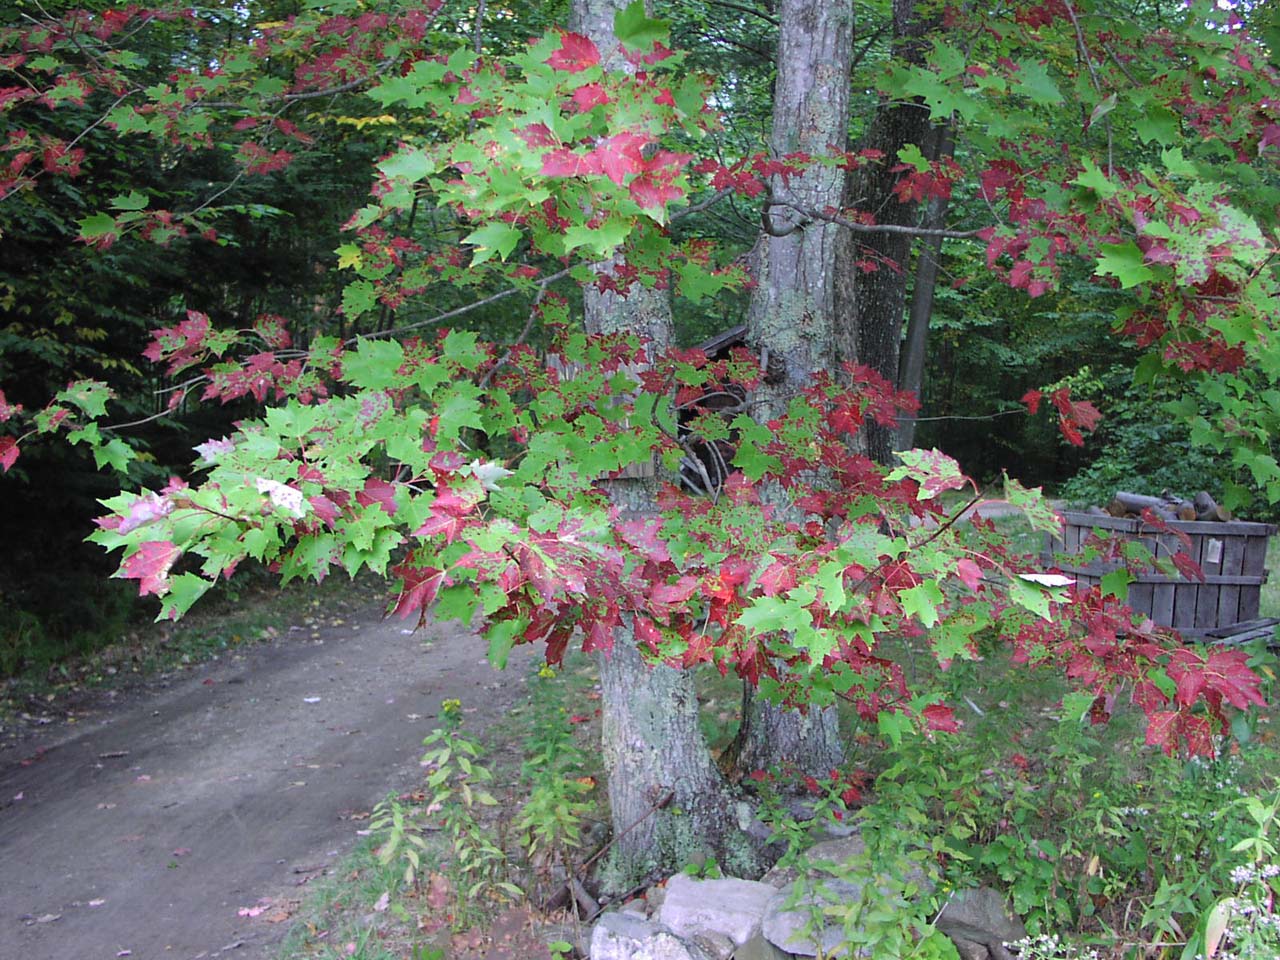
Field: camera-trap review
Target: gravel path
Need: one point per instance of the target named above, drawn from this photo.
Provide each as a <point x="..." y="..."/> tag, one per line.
<point x="145" y="828"/>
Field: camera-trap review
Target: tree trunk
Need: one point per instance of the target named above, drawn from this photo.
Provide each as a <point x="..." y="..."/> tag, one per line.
<point x="872" y="291"/>
<point x="791" y="316"/>
<point x="667" y="799"/>
<point x="915" y="347"/>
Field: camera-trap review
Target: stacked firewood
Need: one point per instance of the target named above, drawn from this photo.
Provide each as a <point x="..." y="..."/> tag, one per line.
<point x="1167" y="506"/>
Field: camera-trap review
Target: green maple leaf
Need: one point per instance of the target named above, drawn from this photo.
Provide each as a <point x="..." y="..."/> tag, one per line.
<point x="358" y="298"/>
<point x="133" y="200"/>
<point x="399" y="89"/>
<point x="1157" y="124"/>
<point x="1116" y="583"/>
<point x="91" y="396"/>
<point x="412" y="165"/>
<point x="493" y="238"/>
<point x="116" y="454"/>
<point x="1094" y="179"/>
<point x="374" y="364"/>
<point x="1124" y="262"/>
<point x="349" y="255"/>
<point x="1031" y="597"/>
<point x="634" y="29"/>
<point x="128" y="120"/>
<point x="911" y="155"/>
<point x="922" y="601"/>
<point x="184" y="590"/>
<point x="96" y="226"/>
<point x="1034" y="506"/>
<point x="1033" y="80"/>
<point x="502" y="637"/>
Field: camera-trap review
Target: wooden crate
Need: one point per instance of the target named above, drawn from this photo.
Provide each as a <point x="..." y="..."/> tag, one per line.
<point x="1232" y="555"/>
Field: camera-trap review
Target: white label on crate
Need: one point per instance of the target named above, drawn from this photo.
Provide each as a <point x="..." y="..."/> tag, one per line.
<point x="1213" y="551"/>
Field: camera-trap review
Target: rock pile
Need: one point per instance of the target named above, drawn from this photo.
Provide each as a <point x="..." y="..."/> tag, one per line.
<point x="728" y="919"/>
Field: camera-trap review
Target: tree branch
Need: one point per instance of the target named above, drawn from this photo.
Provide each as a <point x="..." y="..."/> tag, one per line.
<point x="876" y="227"/>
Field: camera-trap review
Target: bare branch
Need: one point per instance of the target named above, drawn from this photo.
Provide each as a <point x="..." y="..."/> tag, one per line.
<point x="876" y="227"/>
<point x="459" y="311"/>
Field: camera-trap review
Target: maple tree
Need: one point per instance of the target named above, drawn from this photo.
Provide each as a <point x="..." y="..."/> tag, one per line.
<point x="484" y="478"/>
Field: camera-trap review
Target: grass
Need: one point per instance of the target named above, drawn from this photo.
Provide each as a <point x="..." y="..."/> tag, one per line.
<point x="370" y="911"/>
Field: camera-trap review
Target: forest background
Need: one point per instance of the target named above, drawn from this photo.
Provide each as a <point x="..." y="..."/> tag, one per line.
<point x="1049" y="219"/>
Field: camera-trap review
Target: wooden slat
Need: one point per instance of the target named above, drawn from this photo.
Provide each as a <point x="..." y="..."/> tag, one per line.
<point x="1186" y="593"/>
<point x="1097" y="570"/>
<point x="1235" y="528"/>
<point x="1232" y="565"/>
<point x="1255" y="558"/>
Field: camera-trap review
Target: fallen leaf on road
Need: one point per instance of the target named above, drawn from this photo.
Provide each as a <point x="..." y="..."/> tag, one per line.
<point x="414" y="716"/>
<point x="96" y="903"/>
<point x="145" y="778"/>
<point x="125" y="953"/>
<point x="182" y="851"/>
<point x="382" y="903"/>
<point x="49" y="918"/>
<point x="208" y="682"/>
<point x="106" y="806"/>
<point x="310" y="699"/>
<point x="252" y="911"/>
<point x="278" y="915"/>
<point x="18" y="795"/>
<point x="438" y="891"/>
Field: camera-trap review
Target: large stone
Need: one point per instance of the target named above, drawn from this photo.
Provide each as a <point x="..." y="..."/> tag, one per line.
<point x="624" y="936"/>
<point x="758" y="948"/>
<point x="792" y="929"/>
<point x="969" y="950"/>
<point x="727" y="906"/>
<point x="716" y="945"/>
<point x="841" y="850"/>
<point x="980" y="915"/>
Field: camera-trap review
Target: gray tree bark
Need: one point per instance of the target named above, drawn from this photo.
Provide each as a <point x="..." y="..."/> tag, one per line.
<point x="792" y="313"/>
<point x="668" y="801"/>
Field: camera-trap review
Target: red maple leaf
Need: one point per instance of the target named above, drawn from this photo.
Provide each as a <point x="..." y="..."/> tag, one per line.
<point x="648" y="633"/>
<point x="942" y="718"/>
<point x="590" y="96"/>
<point x="620" y="155"/>
<point x="576" y="53"/>
<point x="565" y="163"/>
<point x="8" y="409"/>
<point x="325" y="509"/>
<point x="777" y="578"/>
<point x="419" y="590"/>
<point x="8" y="452"/>
<point x="653" y="193"/>
<point x="1032" y="399"/>
<point x="448" y="524"/>
<point x="599" y="636"/>
<point x="1227" y="672"/>
<point x="379" y="492"/>
<point x="1188" y="567"/>
<point x="1161" y="730"/>
<point x="970" y="573"/>
<point x="644" y="536"/>
<point x="150" y="565"/>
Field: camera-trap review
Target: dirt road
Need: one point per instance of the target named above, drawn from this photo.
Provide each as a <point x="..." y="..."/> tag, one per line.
<point x="143" y="829"/>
